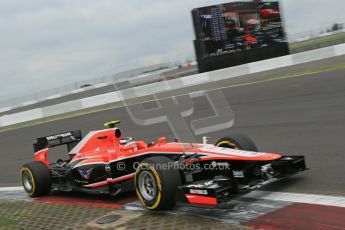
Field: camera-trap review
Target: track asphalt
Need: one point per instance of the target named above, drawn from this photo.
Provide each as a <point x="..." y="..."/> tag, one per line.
<point x="302" y="115"/>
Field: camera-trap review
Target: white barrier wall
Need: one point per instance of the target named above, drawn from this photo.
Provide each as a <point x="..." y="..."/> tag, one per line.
<point x="21" y="117"/>
<point x="159" y="87"/>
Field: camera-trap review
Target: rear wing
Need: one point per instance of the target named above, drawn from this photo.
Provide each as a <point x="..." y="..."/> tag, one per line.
<point x="70" y="139"/>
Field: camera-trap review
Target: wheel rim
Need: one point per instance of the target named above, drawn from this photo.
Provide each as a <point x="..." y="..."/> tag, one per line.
<point x="147" y="186"/>
<point x="227" y="144"/>
<point x="27" y="181"/>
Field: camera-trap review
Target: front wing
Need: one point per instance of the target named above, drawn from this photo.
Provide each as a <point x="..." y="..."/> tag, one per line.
<point x="221" y="189"/>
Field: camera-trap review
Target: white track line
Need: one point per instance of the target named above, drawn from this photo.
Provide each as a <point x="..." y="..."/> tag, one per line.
<point x="9" y="189"/>
<point x="338" y="201"/>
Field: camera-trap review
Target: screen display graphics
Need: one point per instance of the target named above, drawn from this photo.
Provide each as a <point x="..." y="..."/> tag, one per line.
<point x="238" y="26"/>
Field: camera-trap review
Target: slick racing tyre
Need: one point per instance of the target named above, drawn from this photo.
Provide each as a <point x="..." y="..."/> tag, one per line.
<point x="237" y="141"/>
<point x="156" y="182"/>
<point x="36" y="179"/>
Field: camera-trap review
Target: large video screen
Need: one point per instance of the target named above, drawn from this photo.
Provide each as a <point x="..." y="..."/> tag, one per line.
<point x="238" y="26"/>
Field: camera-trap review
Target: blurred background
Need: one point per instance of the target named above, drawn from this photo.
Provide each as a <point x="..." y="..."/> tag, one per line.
<point x="50" y="49"/>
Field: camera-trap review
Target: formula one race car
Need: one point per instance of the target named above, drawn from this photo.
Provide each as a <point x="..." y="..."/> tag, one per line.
<point x="161" y="173"/>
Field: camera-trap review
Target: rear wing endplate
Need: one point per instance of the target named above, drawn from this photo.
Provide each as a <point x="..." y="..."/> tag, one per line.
<point x="68" y="138"/>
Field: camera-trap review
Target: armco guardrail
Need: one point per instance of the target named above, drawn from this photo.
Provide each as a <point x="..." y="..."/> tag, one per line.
<point x="158" y="87"/>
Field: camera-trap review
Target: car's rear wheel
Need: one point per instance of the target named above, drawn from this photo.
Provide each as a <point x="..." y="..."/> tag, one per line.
<point x="156" y="182"/>
<point x="237" y="141"/>
<point x="36" y="179"/>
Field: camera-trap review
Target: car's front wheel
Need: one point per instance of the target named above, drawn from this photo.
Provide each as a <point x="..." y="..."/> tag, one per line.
<point x="36" y="179"/>
<point x="156" y="182"/>
<point x="237" y="141"/>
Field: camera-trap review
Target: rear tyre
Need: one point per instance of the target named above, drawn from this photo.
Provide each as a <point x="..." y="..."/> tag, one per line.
<point x="237" y="141"/>
<point x="36" y="179"/>
<point x="156" y="182"/>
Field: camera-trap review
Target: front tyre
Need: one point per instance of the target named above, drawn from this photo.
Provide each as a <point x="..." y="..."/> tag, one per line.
<point x="156" y="182"/>
<point x="36" y="179"/>
<point x="237" y="141"/>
